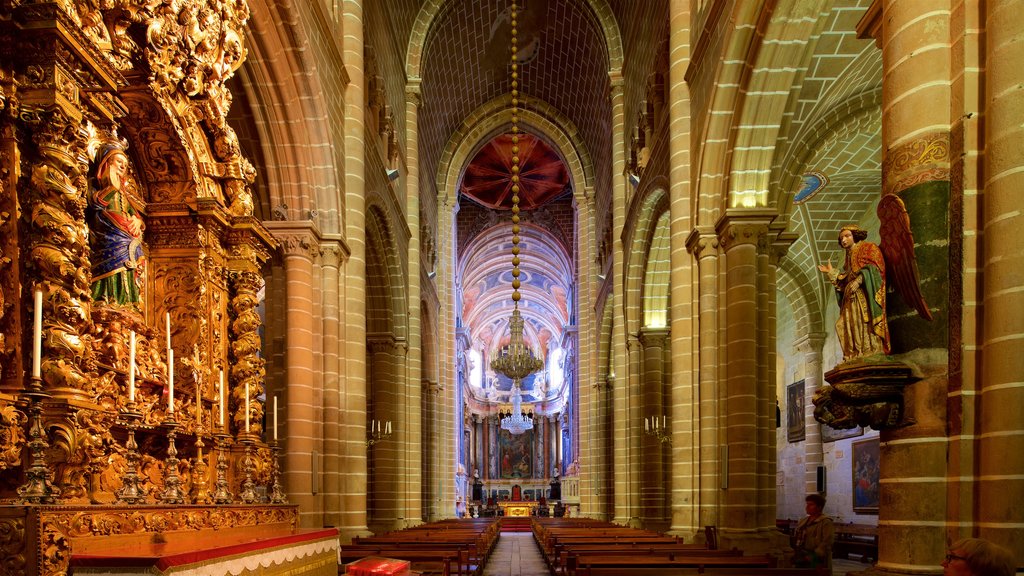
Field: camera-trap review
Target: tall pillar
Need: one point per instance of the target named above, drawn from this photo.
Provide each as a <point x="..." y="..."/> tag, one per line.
<point x="353" y="402"/>
<point x="301" y="439"/>
<point x="740" y="232"/>
<point x="412" y="481"/>
<point x="431" y="479"/>
<point x="704" y="246"/>
<point x="386" y="466"/>
<point x="809" y="346"/>
<point x="446" y="269"/>
<point x="652" y="482"/>
<point x="916" y="104"/>
<point x="1001" y="443"/>
<point x="331" y="255"/>
<point x="588" y="374"/>
<point x="686" y="449"/>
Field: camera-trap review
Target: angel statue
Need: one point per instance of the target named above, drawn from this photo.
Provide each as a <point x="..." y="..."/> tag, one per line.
<point x="862" y="326"/>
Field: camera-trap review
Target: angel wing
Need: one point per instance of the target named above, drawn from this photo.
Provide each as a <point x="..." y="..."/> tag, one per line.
<point x="898" y="249"/>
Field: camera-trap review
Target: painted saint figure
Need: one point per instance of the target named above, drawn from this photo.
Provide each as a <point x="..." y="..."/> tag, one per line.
<point x="116" y="227"/>
<point x="860" y="289"/>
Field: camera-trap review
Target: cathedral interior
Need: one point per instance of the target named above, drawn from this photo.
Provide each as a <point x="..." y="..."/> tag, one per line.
<point x="360" y="265"/>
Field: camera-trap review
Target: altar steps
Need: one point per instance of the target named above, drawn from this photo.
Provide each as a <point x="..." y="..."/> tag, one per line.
<point x="515" y="524"/>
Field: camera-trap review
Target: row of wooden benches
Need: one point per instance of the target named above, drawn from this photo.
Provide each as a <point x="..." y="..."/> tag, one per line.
<point x="584" y="547"/>
<point x="456" y="547"/>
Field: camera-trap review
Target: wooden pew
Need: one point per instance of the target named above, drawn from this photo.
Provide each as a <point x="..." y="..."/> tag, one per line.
<point x="607" y="565"/>
<point x="860" y="539"/>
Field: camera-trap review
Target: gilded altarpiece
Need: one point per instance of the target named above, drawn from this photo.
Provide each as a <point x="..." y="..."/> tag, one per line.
<point x="126" y="202"/>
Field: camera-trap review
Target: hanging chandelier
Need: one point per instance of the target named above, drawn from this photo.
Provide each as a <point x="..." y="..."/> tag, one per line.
<point x="516" y="361"/>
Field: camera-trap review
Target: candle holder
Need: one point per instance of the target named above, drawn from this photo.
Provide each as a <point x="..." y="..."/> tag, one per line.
<point x="172" y="494"/>
<point x="658" y="429"/>
<point x="200" y="480"/>
<point x="248" y="494"/>
<point x="277" y="495"/>
<point x="221" y="494"/>
<point x="379" y="431"/>
<point x="130" y="493"/>
<point x="38" y="488"/>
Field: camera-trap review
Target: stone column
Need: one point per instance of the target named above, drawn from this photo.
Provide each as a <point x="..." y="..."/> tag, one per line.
<point x="301" y="439"/>
<point x="740" y="231"/>
<point x="810" y="345"/>
<point x="652" y="484"/>
<point x="330" y="257"/>
<point x="431" y="390"/>
<point x="587" y="354"/>
<point x="412" y="480"/>
<point x="447" y="441"/>
<point x="1000" y="486"/>
<point x="704" y="246"/>
<point x="687" y="457"/>
<point x="386" y="466"/>
<point x="353" y="404"/>
<point x="916" y="105"/>
<point x="625" y="441"/>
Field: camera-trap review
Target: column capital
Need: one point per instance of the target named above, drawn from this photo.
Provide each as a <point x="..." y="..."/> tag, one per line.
<point x="702" y="242"/>
<point x="653" y="337"/>
<point x="333" y="253"/>
<point x="384" y="343"/>
<point x="297" y="238"/>
<point x="810" y="343"/>
<point x="743" y="226"/>
<point x="413" y="92"/>
<point x="431" y="387"/>
<point x="780" y="246"/>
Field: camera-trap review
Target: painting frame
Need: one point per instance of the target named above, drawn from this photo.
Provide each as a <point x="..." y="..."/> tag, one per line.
<point x="515" y="455"/>
<point x="796" y="429"/>
<point x="865" y="469"/>
<point x="830" y="434"/>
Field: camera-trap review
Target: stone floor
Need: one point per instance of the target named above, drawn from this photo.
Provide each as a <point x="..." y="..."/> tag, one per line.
<point x="517" y="554"/>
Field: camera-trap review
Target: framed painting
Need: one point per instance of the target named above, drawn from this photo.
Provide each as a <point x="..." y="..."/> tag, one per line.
<point x="865" y="468"/>
<point x="795" y="428"/>
<point x="515" y="454"/>
<point x="830" y="434"/>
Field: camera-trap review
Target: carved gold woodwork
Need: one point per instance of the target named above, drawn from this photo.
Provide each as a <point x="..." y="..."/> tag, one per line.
<point x="154" y="75"/>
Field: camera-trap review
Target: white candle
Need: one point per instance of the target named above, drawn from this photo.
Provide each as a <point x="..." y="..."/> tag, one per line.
<point x="645" y="425"/>
<point x="220" y="395"/>
<point x="37" y="333"/>
<point x="388" y="431"/>
<point x="247" y="406"/>
<point x="275" y="417"/>
<point x="199" y="405"/>
<point x="167" y="323"/>
<point x="170" y="381"/>
<point x="663" y="421"/>
<point x="131" y="367"/>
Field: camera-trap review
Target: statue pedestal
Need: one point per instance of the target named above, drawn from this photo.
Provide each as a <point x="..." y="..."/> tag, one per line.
<point x="864" y="393"/>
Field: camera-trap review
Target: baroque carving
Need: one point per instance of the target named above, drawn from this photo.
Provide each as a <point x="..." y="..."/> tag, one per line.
<point x="247" y="365"/>
<point x="57" y="247"/>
